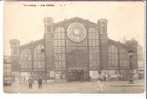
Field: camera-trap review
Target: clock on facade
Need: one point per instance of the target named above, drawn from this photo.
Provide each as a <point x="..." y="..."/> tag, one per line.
<point x="76" y="32"/>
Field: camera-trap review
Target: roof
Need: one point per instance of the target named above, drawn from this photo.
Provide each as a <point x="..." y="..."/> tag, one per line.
<point x="74" y="19"/>
<point x="116" y="43"/>
<point x="33" y="43"/>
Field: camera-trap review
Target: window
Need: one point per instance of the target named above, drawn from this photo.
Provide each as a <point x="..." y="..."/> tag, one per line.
<point x="113" y="56"/>
<point x="93" y="34"/>
<point x="59" y="43"/>
<point x="124" y="59"/>
<point x="103" y="28"/>
<point x="94" y="60"/>
<point x="39" y="52"/>
<point x="39" y="57"/>
<point x="59" y="60"/>
<point x="93" y="47"/>
<point x="94" y="56"/>
<point x="25" y="59"/>
<point x="59" y="47"/>
<point x="59" y="33"/>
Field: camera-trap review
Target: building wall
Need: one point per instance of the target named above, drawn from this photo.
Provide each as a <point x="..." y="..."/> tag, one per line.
<point x="32" y="61"/>
<point x="49" y="48"/>
<point x="61" y="51"/>
<point x="94" y="48"/>
<point x="102" y="30"/>
<point x="124" y="58"/>
<point x="15" y="52"/>
<point x="8" y="78"/>
<point x="69" y="54"/>
<point x="25" y="59"/>
<point x="112" y="56"/>
<point x="132" y="46"/>
<point x="140" y="54"/>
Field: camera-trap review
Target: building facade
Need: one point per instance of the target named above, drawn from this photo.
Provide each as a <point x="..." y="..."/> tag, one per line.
<point x="73" y="49"/>
<point x="8" y="78"/>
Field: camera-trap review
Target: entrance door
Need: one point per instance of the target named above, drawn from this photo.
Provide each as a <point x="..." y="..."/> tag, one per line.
<point x="75" y="75"/>
<point x="77" y="65"/>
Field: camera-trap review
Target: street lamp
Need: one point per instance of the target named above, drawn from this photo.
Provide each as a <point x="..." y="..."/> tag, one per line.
<point x="130" y="53"/>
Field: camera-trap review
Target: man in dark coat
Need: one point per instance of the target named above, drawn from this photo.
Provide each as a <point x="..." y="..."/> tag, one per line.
<point x="40" y="83"/>
<point x="30" y="81"/>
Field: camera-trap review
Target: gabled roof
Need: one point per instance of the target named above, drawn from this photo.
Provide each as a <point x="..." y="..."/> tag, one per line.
<point x="116" y="43"/>
<point x="33" y="43"/>
<point x="75" y="19"/>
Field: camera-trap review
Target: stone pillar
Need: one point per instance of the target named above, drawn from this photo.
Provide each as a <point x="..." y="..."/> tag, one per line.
<point x="15" y="53"/>
<point x="132" y="46"/>
<point x="102" y="30"/>
<point x="49" y="48"/>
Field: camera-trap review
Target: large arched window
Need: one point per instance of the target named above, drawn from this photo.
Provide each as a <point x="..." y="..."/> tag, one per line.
<point x="39" y="52"/>
<point x="39" y="56"/>
<point x="93" y="34"/>
<point x="25" y="59"/>
<point x="113" y="55"/>
<point x="59" y="33"/>
<point x="93" y="43"/>
<point x="59" y="47"/>
<point x="124" y="59"/>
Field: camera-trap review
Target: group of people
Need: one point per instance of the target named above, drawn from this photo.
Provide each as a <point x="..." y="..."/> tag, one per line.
<point x="30" y="83"/>
<point x="107" y="77"/>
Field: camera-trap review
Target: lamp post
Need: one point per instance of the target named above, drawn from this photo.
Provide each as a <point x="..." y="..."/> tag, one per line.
<point x="130" y="53"/>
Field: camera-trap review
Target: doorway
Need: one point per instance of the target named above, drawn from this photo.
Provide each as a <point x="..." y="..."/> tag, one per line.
<point x="75" y="75"/>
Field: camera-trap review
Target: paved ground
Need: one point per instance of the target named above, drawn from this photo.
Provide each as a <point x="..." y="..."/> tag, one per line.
<point x="81" y="87"/>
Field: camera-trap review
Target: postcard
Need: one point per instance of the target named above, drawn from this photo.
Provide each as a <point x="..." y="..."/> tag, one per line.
<point x="74" y="47"/>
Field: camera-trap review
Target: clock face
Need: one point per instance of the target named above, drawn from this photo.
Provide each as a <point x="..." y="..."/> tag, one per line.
<point x="76" y="32"/>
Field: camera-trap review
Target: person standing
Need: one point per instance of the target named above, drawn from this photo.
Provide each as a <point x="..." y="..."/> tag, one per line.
<point x="100" y="84"/>
<point x="40" y="83"/>
<point x="30" y="81"/>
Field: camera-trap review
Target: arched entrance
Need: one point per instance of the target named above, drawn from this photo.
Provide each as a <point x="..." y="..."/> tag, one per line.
<point x="77" y="65"/>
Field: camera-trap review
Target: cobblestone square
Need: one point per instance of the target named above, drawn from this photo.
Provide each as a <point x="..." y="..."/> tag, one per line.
<point x="81" y="87"/>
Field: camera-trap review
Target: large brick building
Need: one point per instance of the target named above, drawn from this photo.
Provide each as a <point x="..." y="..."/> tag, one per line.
<point x="7" y="73"/>
<point x="73" y="49"/>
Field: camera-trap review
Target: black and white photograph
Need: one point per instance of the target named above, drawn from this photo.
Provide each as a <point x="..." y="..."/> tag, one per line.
<point x="74" y="47"/>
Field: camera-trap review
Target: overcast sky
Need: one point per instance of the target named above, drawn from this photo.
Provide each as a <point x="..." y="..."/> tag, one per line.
<point x="125" y="19"/>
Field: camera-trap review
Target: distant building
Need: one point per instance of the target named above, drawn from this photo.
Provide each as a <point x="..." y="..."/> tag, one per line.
<point x="141" y="61"/>
<point x="73" y="49"/>
<point x="140" y="57"/>
<point x="7" y="71"/>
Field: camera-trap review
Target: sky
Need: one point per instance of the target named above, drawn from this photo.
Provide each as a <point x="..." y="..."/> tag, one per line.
<point x="25" y="22"/>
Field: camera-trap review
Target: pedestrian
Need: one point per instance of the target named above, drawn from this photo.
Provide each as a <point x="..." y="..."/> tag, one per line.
<point x="100" y="85"/>
<point x="30" y="81"/>
<point x="109" y="76"/>
<point x="40" y="83"/>
<point x="100" y="77"/>
<point x="104" y="77"/>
